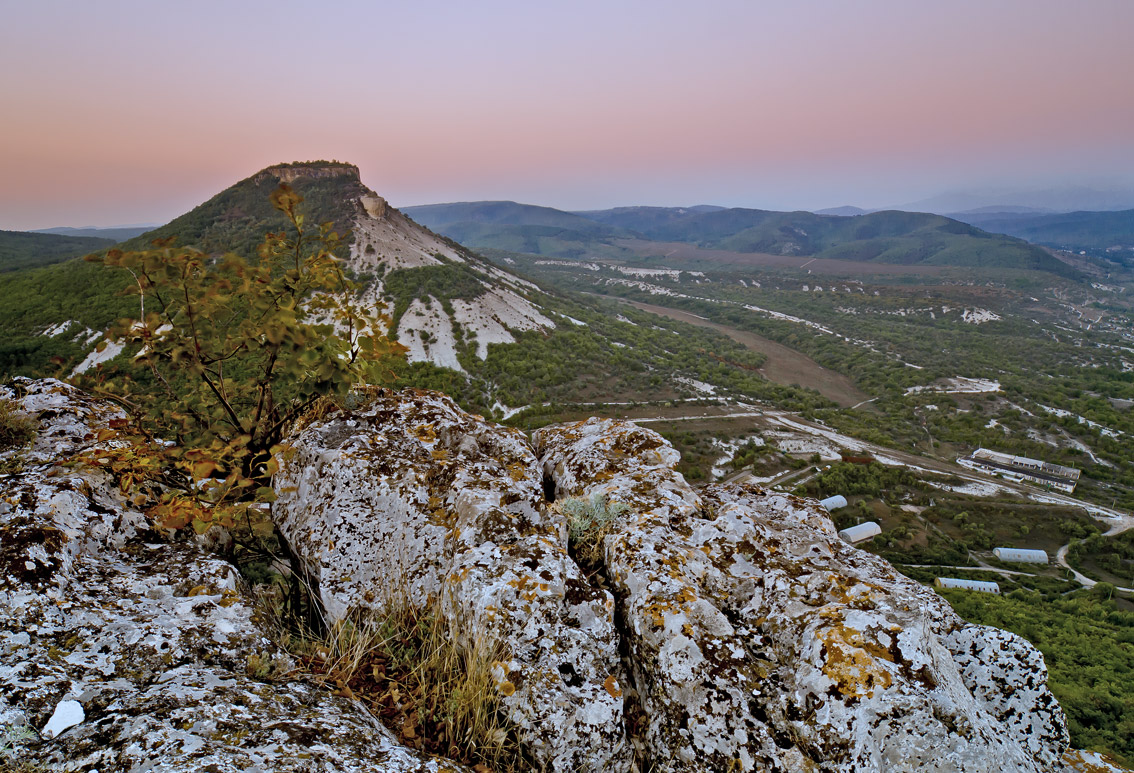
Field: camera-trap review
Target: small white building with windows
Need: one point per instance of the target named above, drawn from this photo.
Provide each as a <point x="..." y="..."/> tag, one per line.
<point x="955" y="582"/>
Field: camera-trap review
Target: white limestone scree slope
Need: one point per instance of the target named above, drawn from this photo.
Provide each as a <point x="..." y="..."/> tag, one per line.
<point x="386" y="240"/>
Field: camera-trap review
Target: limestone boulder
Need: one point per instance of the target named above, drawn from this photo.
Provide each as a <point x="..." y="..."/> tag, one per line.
<point x="122" y="651"/>
<point x="758" y="640"/>
<point x="409" y="498"/>
<point x="725" y="628"/>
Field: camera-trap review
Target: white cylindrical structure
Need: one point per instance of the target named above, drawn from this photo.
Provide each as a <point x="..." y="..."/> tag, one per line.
<point x="833" y="503"/>
<point x="1021" y="555"/>
<point x="860" y="532"/>
<point x="954" y="582"/>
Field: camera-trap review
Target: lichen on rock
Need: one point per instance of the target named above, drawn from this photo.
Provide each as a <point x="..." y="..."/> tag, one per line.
<point x="152" y="639"/>
<point x="412" y="496"/>
<point x="730" y="628"/>
<point x="758" y="640"/>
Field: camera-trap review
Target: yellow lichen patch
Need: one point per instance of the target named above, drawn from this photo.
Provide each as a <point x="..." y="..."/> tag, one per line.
<point x="202" y="590"/>
<point x="611" y="685"/>
<point x="656" y="612"/>
<point x="850" y="592"/>
<point x="686" y="595"/>
<point x="439" y="454"/>
<point x="425" y="433"/>
<point x="853" y="663"/>
<point x="517" y="471"/>
<point x="520" y="583"/>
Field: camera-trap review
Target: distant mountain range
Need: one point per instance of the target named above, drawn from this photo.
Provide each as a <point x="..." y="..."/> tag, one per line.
<point x="23" y="249"/>
<point x="116" y="233"/>
<point x="886" y="237"/>
<point x="1093" y="231"/>
<point x="844" y="211"/>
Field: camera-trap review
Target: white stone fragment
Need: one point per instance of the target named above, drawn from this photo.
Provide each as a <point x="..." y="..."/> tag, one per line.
<point x="67" y="714"/>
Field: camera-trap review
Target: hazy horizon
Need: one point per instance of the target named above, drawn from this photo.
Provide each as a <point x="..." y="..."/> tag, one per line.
<point x="127" y="112"/>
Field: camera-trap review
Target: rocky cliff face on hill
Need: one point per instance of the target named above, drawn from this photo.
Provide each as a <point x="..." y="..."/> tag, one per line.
<point x="314" y="170"/>
<point x="725" y="628"/>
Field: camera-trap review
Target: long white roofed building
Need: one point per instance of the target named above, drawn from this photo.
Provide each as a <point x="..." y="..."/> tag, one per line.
<point x="1022" y="468"/>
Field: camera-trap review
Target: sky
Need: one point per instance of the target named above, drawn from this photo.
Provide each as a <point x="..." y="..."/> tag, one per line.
<point x="121" y="112"/>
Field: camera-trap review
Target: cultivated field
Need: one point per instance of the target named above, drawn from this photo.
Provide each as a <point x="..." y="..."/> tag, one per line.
<point x="783" y="366"/>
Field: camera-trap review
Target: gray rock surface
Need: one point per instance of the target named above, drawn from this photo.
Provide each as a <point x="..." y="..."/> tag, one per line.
<point x="759" y="640"/>
<point x="741" y="633"/>
<point x="412" y="496"/>
<point x="153" y="640"/>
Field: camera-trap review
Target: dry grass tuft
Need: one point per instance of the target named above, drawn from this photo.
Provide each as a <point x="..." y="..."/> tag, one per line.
<point x="16" y="427"/>
<point x="407" y="667"/>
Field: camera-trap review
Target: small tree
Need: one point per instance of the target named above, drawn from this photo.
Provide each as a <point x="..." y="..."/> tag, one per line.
<point x="230" y="353"/>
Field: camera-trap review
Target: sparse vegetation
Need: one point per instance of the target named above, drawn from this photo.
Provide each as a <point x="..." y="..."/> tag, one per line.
<point x="446" y="282"/>
<point x="588" y="521"/>
<point x="11" y="738"/>
<point x="420" y="674"/>
<point x="16" y="427"/>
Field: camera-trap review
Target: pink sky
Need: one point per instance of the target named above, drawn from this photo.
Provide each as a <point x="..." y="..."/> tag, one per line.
<point x="123" y="112"/>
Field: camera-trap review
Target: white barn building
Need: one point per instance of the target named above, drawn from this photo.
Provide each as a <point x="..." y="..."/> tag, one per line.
<point x="1021" y="555"/>
<point x="862" y="531"/>
<point x="833" y="503"/>
<point x="954" y="582"/>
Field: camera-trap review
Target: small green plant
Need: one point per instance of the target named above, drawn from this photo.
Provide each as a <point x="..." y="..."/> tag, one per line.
<point x="16" y="427"/>
<point x="588" y="521"/>
<point x="11" y="736"/>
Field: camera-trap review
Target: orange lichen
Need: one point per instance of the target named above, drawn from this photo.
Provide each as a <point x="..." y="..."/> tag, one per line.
<point x="853" y="663"/>
<point x="425" y="432"/>
<point x="656" y="612"/>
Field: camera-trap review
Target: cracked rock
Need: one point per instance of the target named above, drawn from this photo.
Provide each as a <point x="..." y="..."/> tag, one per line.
<point x="415" y="497"/>
<point x="759" y="640"/>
